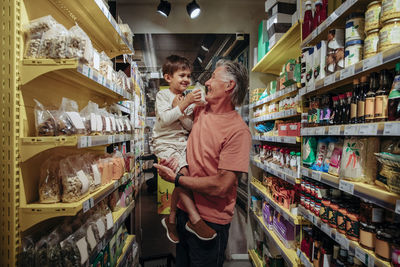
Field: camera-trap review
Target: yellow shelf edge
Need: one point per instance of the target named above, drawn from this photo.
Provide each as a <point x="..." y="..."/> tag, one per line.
<point x="254" y="258"/>
<point x="128" y="243"/>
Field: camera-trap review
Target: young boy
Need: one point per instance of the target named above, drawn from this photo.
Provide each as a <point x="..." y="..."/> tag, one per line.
<point x="171" y="130"/>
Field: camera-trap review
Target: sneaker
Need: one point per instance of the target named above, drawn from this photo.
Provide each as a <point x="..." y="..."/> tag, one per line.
<point x="172" y="234"/>
<point x="201" y="230"/>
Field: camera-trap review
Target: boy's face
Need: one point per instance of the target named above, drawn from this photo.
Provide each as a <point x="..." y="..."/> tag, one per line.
<point x="179" y="81"/>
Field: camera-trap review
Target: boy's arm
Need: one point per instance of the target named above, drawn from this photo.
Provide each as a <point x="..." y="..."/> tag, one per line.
<point x="166" y="115"/>
<point x="187" y="119"/>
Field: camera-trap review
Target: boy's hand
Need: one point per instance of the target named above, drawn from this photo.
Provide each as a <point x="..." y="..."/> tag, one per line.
<point x="193" y="97"/>
<point x="177" y="100"/>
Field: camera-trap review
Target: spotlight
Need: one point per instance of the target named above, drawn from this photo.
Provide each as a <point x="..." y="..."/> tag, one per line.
<point x="193" y="9"/>
<point x="204" y="48"/>
<point x="199" y="59"/>
<point x="164" y="8"/>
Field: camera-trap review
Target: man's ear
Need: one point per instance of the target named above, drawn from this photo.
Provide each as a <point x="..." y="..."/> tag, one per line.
<point x="168" y="78"/>
<point x="230" y="85"/>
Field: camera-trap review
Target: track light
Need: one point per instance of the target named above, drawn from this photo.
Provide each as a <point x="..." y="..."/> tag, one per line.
<point x="164" y="8"/>
<point x="200" y="60"/>
<point x="193" y="9"/>
<point x="204" y="48"/>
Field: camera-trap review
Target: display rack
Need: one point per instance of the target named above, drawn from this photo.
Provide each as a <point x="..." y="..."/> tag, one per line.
<point x="278" y="139"/>
<point x="275" y="97"/>
<point x="283" y="173"/>
<point x="255" y="259"/>
<point x="130" y="240"/>
<point x="284" y="114"/>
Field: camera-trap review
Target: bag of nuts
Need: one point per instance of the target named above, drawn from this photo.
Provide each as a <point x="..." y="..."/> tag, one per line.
<point x="34" y="31"/>
<point x="74" y="181"/>
<point x="54" y="42"/>
<point x="45" y="122"/>
<point x="50" y="182"/>
<point x="79" y="45"/>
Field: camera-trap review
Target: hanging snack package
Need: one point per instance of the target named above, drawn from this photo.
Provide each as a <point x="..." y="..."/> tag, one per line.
<point x="322" y="150"/>
<point x="27" y="255"/>
<point x="79" y="45"/>
<point x="91" y="118"/>
<point x="69" y="121"/>
<point x="327" y="160"/>
<point x="336" y="157"/>
<point x="34" y="32"/>
<point x="45" y="123"/>
<point x="50" y="181"/>
<point x="74" y="180"/>
<point x="309" y="148"/>
<point x="54" y="42"/>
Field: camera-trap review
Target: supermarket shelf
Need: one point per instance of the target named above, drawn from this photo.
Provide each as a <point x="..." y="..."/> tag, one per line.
<point x="91" y="15"/>
<point x="281" y="210"/>
<point x="383" y="60"/>
<point x="119" y="218"/>
<point x="71" y="72"/>
<point x="123" y="108"/>
<point x="33" y="213"/>
<point x="283" y="173"/>
<point x="276" y="96"/>
<point x="304" y="259"/>
<point x="287" y="47"/>
<point x="289" y="255"/>
<point x="278" y="139"/>
<point x="336" y="20"/>
<point x="369" y="192"/>
<point x="130" y="240"/>
<point x="364" y="129"/>
<point x="277" y="115"/>
<point x="31" y="146"/>
<point x="255" y="259"/>
<point x="366" y="256"/>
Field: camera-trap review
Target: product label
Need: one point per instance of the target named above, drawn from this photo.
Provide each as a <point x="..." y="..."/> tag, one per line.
<point x="99" y="123"/>
<point x="360" y="109"/>
<point x="93" y="126"/>
<point x="353" y="111"/>
<point x="369" y="108"/>
<point x="76" y="120"/>
<point x="381" y="103"/>
<point x="113" y="125"/>
<point x="108" y="124"/>
<point x="84" y="180"/>
<point x="377" y="215"/>
<point x="110" y="220"/>
<point x="83" y="251"/>
<point x="96" y="174"/>
<point x="101" y="227"/>
<point x="371" y="44"/>
<point x="90" y="237"/>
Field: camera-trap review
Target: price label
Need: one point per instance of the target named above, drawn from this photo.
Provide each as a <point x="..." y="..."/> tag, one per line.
<point x="372" y="62"/>
<point x="86" y="206"/>
<point x="82" y="142"/>
<point x="320" y="131"/>
<point x="350" y="130"/>
<point x="314" y="34"/>
<point x="310" y="87"/>
<point x="326" y="229"/>
<point x="346" y="187"/>
<point x="305" y="261"/>
<point x="304" y="172"/>
<point x="347" y="72"/>
<point x="329" y="79"/>
<point x="311" y="131"/>
<point x="361" y="255"/>
<point x="89" y="141"/>
<point x="110" y="139"/>
<point x="391" y="128"/>
<point x="316" y="176"/>
<point x="397" y="209"/>
<point x="368" y="129"/>
<point x="343" y="241"/>
<point x="334" y="130"/>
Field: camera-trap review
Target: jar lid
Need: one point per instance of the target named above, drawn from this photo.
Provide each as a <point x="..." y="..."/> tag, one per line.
<point x="355" y="15"/>
<point x="392" y="20"/>
<point x="354" y="42"/>
<point x="373" y="3"/>
<point x="372" y="31"/>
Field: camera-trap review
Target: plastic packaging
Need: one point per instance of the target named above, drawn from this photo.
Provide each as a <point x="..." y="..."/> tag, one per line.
<point x="82" y="163"/>
<point x="79" y="45"/>
<point x="322" y="150"/>
<point x="75" y="249"/>
<point x="327" y="160"/>
<point x="45" y="123"/>
<point x="54" y="251"/>
<point x="54" y="42"/>
<point x="336" y="159"/>
<point x="34" y="32"/>
<point x="50" y="182"/>
<point x="309" y="148"/>
<point x="91" y="118"/>
<point x="93" y="170"/>
<point x="75" y="182"/>
<point x="27" y="256"/>
<point x="69" y="121"/>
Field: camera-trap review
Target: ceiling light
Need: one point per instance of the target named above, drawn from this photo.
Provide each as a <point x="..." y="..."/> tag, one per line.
<point x="164" y="8"/>
<point x="199" y="59"/>
<point x="193" y="9"/>
<point x="204" y="48"/>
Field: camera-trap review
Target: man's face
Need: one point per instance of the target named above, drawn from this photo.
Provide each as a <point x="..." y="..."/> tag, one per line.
<point x="217" y="85"/>
<point x="179" y="81"/>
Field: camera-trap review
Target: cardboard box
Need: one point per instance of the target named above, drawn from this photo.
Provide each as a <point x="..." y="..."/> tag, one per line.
<point x="278" y="28"/>
<point x="284" y="8"/>
<point x="294" y="129"/>
<point x="270" y="3"/>
<point x="283" y="129"/>
<point x="279" y="18"/>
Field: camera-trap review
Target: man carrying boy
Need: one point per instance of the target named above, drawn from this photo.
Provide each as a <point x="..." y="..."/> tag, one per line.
<point x="218" y="150"/>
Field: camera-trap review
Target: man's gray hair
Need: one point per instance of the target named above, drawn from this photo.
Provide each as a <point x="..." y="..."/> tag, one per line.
<point x="238" y="73"/>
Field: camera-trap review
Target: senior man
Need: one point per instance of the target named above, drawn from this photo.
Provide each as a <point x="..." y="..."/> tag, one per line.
<point x="218" y="152"/>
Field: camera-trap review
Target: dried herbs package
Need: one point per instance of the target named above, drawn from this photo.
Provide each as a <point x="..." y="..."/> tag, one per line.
<point x="69" y="122"/>
<point x="79" y="45"/>
<point x="34" y="32"/>
<point x="74" y="180"/>
<point x="27" y="256"/>
<point x="50" y="181"/>
<point x="309" y="148"/>
<point x="45" y="122"/>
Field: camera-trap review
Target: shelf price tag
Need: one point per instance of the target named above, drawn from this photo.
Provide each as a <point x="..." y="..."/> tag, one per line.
<point x="304" y="172"/>
<point x="82" y="142"/>
<point x="391" y="128"/>
<point x="89" y="141"/>
<point x="372" y="62"/>
<point x="334" y="130"/>
<point x="329" y="79"/>
<point x="346" y="187"/>
<point x="320" y="131"/>
<point x="361" y="255"/>
<point x="316" y="176"/>
<point x="347" y="72"/>
<point x="350" y="130"/>
<point x="86" y="206"/>
<point x="110" y="139"/>
<point x="326" y="229"/>
<point x="343" y="241"/>
<point x="368" y="129"/>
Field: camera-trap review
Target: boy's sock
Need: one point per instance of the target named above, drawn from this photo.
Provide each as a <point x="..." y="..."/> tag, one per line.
<point x="201" y="230"/>
<point x="172" y="234"/>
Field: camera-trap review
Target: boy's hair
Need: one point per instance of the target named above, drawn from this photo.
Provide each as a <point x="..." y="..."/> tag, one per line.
<point x="174" y="63"/>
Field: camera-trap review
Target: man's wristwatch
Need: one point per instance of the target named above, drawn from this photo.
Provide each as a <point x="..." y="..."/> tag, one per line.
<point x="178" y="175"/>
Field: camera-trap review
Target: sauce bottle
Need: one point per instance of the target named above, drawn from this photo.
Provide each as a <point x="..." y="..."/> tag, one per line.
<point x="317" y="14"/>
<point x="349" y="96"/>
<point x="342" y="109"/>
<point x="335" y="111"/>
<point x="381" y="97"/>
<point x="354" y="101"/>
<point x="307" y="25"/>
<point x="364" y="88"/>
<point x="370" y="98"/>
<point x="394" y="97"/>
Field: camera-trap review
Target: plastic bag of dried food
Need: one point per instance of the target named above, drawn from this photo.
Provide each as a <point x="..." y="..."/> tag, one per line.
<point x="93" y="232"/>
<point x="34" y="31"/>
<point x="118" y="165"/>
<point x="75" y="182"/>
<point x="74" y="250"/>
<point x="327" y="160"/>
<point x="91" y="118"/>
<point x="322" y="149"/>
<point x="309" y="148"/>
<point x="82" y="163"/>
<point x="79" y="45"/>
<point x="93" y="169"/>
<point x="27" y="256"/>
<point x="54" y="42"/>
<point x="336" y="158"/>
<point x="45" y="122"/>
<point x="54" y="254"/>
<point x="69" y="122"/>
<point x="50" y="182"/>
<point x="41" y="248"/>
<point x="106" y="121"/>
<point x="121" y="80"/>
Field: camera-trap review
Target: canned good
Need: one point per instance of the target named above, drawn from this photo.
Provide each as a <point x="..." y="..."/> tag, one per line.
<point x="353" y="52"/>
<point x="390" y="10"/>
<point x="355" y="27"/>
<point x="389" y="35"/>
<point x="371" y="43"/>
<point x="372" y="16"/>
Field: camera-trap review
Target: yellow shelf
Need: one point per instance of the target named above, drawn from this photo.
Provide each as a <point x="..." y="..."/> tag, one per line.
<point x="287" y="47"/>
<point x="255" y="258"/>
<point x="128" y="244"/>
<point x="283" y="211"/>
<point x="33" y="213"/>
<point x="289" y="255"/>
<point x="274" y="169"/>
<point x="31" y="146"/>
<point x="91" y="15"/>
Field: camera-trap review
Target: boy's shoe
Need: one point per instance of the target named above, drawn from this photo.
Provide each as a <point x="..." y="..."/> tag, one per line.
<point x="201" y="230"/>
<point x="172" y="234"/>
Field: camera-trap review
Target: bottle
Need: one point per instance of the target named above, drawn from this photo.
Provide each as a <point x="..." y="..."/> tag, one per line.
<point x="317" y="14"/>
<point x="335" y="111"/>
<point x="324" y="10"/>
<point x="394" y="97"/>
<point x="381" y="97"/>
<point x="364" y="87"/>
<point x="349" y="97"/>
<point x="370" y="98"/>
<point x="354" y="101"/>
<point x="307" y="25"/>
<point x="342" y="109"/>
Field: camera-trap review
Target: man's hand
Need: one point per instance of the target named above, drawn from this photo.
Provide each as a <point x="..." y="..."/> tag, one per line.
<point x="177" y="100"/>
<point x="172" y="163"/>
<point x="166" y="173"/>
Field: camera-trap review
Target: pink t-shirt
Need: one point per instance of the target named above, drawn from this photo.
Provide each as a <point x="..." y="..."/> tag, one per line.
<point x="217" y="141"/>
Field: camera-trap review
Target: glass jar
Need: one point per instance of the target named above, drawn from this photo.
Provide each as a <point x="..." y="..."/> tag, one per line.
<point x="341" y="218"/>
<point x="317" y="207"/>
<point x="352" y="224"/>
<point x="353" y="53"/>
<point x="322" y="191"/>
<point x="372" y="16"/>
<point x="383" y="240"/>
<point x="332" y="213"/>
<point x="312" y="203"/>
<point x="307" y="201"/>
<point x="355" y="27"/>
<point x="324" y="211"/>
<point x="367" y="235"/>
<point x="389" y="35"/>
<point x="390" y="10"/>
<point x="370" y="213"/>
<point x="302" y="200"/>
<point x="371" y="43"/>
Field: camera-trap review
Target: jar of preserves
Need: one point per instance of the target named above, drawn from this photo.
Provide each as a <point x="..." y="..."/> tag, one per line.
<point x="367" y="236"/>
<point x="312" y="204"/>
<point x="370" y="213"/>
<point x="372" y="16"/>
<point x="332" y="213"/>
<point x="352" y="224"/>
<point x="355" y="27"/>
<point x="317" y="207"/>
<point x="341" y="218"/>
<point x="353" y="52"/>
<point x="384" y="237"/>
<point x="389" y="35"/>
<point x="323" y="213"/>
<point x="371" y="43"/>
<point x="390" y="10"/>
